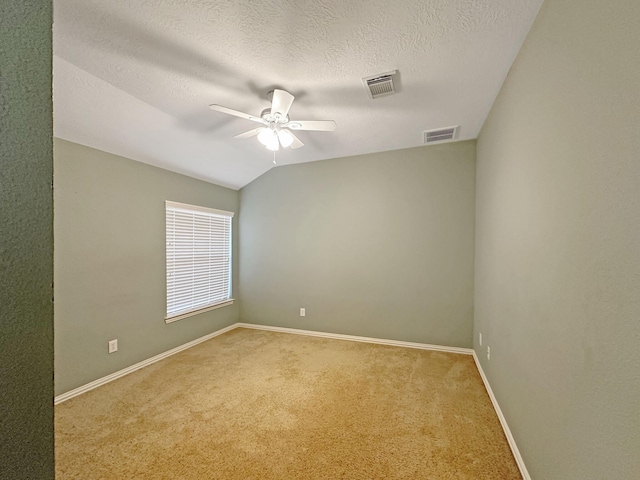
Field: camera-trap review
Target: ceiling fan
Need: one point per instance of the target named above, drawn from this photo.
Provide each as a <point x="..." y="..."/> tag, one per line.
<point x="276" y="126"/>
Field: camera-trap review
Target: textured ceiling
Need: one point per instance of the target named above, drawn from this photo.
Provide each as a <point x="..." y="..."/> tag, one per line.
<point x="136" y="78"/>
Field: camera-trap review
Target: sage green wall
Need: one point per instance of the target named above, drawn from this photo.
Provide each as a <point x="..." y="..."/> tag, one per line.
<point x="110" y="262"/>
<point x="26" y="241"/>
<point x="557" y="276"/>
<point x="376" y="245"/>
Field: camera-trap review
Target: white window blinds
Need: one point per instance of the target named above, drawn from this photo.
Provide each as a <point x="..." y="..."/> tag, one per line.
<point x="198" y="258"/>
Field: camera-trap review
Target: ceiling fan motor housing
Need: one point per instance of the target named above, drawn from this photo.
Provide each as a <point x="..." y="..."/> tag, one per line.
<point x="277" y="118"/>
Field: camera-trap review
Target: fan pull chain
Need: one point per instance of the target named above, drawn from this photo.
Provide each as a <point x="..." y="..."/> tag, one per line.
<point x="274" y="157"/>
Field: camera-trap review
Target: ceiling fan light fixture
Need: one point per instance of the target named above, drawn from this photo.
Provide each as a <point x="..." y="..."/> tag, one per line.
<point x="276" y="129"/>
<point x="274" y="145"/>
<point x="266" y="136"/>
<point x="286" y="139"/>
<point x="269" y="139"/>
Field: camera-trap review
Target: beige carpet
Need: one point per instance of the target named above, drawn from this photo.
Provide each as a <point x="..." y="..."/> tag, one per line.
<point x="252" y="404"/>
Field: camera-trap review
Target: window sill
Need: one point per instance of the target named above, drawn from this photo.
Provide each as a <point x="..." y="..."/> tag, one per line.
<point x="197" y="312"/>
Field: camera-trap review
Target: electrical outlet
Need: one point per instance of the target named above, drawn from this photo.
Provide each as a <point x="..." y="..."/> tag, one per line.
<point x="303" y="312"/>
<point x="113" y="345"/>
<point x="480" y="338"/>
<point x="488" y="353"/>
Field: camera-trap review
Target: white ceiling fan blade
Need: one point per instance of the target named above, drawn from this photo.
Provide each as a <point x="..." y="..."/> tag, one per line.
<point x="281" y="102"/>
<point x="236" y="113"/>
<point x="250" y="133"/>
<point x="317" y="125"/>
<point x="296" y="141"/>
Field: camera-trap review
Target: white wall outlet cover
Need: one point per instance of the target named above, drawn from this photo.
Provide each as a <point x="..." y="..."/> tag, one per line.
<point x="303" y="312"/>
<point x="113" y="346"/>
<point x="480" y="338"/>
<point x="488" y="353"/>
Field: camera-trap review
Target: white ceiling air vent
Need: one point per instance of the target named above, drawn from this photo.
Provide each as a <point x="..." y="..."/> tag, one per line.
<point x="441" y="134"/>
<point x="380" y="85"/>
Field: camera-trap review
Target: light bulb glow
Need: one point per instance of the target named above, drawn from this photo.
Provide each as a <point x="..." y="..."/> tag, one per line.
<point x="286" y="139"/>
<point x="266" y="136"/>
<point x="273" y="145"/>
<point x="269" y="138"/>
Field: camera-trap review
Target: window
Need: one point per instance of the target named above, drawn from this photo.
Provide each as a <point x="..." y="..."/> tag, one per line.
<point x="198" y="259"/>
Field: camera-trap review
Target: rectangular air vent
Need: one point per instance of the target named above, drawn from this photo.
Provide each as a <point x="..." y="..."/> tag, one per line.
<point x="380" y="85"/>
<point x="441" y="134"/>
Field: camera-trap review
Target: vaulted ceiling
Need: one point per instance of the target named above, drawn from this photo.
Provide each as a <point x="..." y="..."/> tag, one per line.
<point x="136" y="78"/>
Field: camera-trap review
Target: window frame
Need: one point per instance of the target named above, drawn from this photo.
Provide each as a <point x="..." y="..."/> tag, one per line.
<point x="225" y="231"/>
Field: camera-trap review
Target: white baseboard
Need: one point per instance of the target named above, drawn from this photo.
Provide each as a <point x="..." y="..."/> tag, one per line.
<point x="422" y="346"/>
<point x="121" y="373"/>
<point x="353" y="338"/>
<point x="125" y="371"/>
<point x="503" y="422"/>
